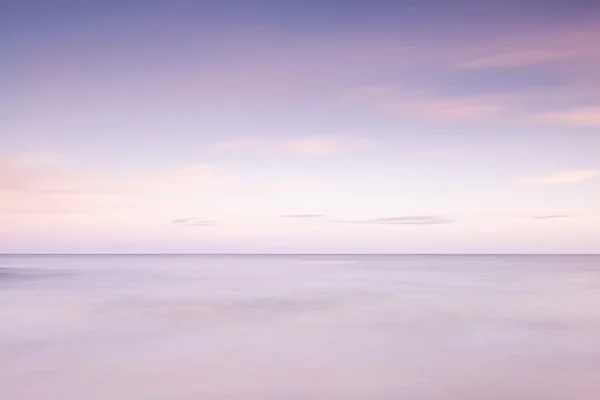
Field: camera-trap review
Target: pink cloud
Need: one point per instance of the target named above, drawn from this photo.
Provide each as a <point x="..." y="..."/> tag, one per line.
<point x="30" y="203"/>
<point x="50" y="175"/>
<point x="19" y="174"/>
<point x="521" y="106"/>
<point x="571" y="50"/>
<point x="59" y="188"/>
<point x="588" y="116"/>
<point x="561" y="45"/>
<point x="187" y="178"/>
<point x="561" y="178"/>
<point x="397" y="100"/>
<point x="310" y="146"/>
<point x="29" y="186"/>
<point x="516" y="59"/>
<point x="445" y="108"/>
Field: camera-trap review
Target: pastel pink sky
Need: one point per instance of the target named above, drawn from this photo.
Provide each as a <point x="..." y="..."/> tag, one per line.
<point x="322" y="128"/>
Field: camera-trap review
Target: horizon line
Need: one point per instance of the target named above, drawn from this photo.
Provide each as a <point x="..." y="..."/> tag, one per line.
<point x="299" y="254"/>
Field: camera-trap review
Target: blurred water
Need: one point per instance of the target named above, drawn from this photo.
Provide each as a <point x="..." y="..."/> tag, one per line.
<point x="299" y="327"/>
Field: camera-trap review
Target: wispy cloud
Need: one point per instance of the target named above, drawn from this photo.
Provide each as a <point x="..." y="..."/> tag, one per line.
<point x="395" y="99"/>
<point x="531" y="105"/>
<point x="552" y="216"/>
<point x="193" y="221"/>
<point x="445" y="109"/>
<point x="32" y="174"/>
<point x="37" y="185"/>
<point x="588" y="116"/>
<point x="16" y="203"/>
<point x="536" y="76"/>
<point x="299" y="216"/>
<point x="186" y="178"/>
<point x="22" y="174"/>
<point x="404" y="220"/>
<point x="310" y="146"/>
<point x="560" y="178"/>
<point x="516" y="59"/>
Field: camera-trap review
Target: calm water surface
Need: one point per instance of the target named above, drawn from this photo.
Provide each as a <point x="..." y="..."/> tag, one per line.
<point x="299" y="327"/>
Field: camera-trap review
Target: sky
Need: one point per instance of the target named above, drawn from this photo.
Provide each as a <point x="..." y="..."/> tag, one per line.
<point x="308" y="126"/>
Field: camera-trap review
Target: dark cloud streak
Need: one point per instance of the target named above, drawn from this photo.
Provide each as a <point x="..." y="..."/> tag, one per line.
<point x="552" y="216"/>
<point x="303" y="216"/>
<point x="193" y="222"/>
<point x="402" y="220"/>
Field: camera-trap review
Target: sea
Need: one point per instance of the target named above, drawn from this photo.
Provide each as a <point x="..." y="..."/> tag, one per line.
<point x="299" y="327"/>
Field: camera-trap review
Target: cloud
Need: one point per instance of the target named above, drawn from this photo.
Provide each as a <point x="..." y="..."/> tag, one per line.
<point x="311" y="146"/>
<point x="548" y="214"/>
<point x="303" y="216"/>
<point x="44" y="186"/>
<point x="182" y="220"/>
<point x="53" y="176"/>
<point x="444" y="109"/>
<point x="560" y="178"/>
<point x="552" y="216"/>
<point x="399" y="100"/>
<point x="183" y="179"/>
<point x="13" y="203"/>
<point x="534" y="76"/>
<point x="539" y="103"/>
<point x="193" y="221"/>
<point x="20" y="174"/>
<point x="32" y="174"/>
<point x="516" y="59"/>
<point x="409" y="220"/>
<point x="404" y="220"/>
<point x="588" y="116"/>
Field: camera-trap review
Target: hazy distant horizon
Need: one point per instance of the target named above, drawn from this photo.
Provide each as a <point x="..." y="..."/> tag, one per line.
<point x="304" y="254"/>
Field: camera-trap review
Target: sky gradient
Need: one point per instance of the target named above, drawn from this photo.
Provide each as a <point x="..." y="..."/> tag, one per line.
<point x="329" y="126"/>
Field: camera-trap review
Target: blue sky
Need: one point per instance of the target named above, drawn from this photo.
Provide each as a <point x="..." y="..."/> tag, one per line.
<point x="467" y="127"/>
